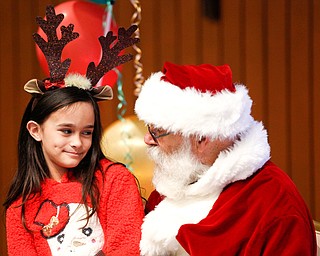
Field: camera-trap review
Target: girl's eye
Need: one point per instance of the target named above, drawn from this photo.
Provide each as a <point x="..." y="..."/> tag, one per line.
<point x="87" y="133"/>
<point x="66" y="131"/>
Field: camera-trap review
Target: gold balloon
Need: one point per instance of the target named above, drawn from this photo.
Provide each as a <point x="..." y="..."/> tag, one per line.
<point x="123" y="141"/>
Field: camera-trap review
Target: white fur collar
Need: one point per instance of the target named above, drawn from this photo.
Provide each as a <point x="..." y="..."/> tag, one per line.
<point x="247" y="156"/>
<point x="161" y="226"/>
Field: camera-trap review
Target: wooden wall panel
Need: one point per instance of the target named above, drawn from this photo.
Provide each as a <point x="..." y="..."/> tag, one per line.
<point x="148" y="35"/>
<point x="25" y="61"/>
<point x="210" y="41"/>
<point x="299" y="98"/>
<point x="169" y="33"/>
<point x="7" y="107"/>
<point x="231" y="15"/>
<point x="254" y="59"/>
<point x="272" y="47"/>
<point x="189" y="47"/>
<point x="314" y="98"/>
<point x="276" y="83"/>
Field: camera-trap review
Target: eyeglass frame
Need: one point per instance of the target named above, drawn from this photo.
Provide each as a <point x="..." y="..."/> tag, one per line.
<point x="156" y="137"/>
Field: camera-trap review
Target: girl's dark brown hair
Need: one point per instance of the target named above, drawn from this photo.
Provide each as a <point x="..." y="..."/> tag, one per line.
<point x="32" y="167"/>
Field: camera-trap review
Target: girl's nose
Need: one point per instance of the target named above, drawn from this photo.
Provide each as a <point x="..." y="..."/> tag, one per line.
<point x="76" y="141"/>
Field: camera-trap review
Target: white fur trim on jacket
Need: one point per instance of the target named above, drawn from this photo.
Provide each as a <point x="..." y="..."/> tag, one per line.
<point x="161" y="225"/>
<point x="190" y="111"/>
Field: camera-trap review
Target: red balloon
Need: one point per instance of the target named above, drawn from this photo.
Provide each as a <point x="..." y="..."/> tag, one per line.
<point x="88" y="21"/>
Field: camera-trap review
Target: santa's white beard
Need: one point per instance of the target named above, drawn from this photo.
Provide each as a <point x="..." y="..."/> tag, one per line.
<point x="174" y="172"/>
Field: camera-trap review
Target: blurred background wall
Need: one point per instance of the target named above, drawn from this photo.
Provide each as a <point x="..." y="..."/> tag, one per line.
<point x="272" y="46"/>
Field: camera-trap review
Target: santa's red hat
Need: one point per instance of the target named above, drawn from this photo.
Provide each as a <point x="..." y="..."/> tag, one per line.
<point x="200" y="100"/>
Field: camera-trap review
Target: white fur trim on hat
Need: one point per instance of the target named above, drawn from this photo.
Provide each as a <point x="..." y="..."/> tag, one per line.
<point x="189" y="111"/>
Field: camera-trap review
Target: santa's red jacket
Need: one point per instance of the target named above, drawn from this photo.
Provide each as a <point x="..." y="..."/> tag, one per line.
<point x="243" y="205"/>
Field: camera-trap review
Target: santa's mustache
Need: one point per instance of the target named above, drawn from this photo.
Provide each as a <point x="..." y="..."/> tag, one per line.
<point x="174" y="172"/>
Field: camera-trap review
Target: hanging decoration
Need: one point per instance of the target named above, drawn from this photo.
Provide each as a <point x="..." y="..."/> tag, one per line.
<point x="136" y="19"/>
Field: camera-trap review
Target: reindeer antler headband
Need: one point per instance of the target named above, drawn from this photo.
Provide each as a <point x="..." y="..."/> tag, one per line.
<point x="52" y="49"/>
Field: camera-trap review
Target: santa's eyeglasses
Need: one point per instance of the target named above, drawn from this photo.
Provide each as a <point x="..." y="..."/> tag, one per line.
<point x="157" y="133"/>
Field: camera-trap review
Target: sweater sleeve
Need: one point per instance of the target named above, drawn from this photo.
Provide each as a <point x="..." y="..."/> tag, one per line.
<point x="19" y="240"/>
<point x="124" y="214"/>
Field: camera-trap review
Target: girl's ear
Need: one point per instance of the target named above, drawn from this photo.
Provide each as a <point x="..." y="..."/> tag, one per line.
<point x="34" y="130"/>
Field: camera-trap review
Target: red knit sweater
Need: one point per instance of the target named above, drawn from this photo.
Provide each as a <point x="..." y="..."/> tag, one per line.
<point x="114" y="229"/>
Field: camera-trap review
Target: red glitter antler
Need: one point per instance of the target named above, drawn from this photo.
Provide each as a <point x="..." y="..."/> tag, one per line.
<point x="52" y="49"/>
<point x="110" y="54"/>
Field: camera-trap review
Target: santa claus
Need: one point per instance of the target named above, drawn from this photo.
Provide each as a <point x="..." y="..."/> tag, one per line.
<point x="217" y="192"/>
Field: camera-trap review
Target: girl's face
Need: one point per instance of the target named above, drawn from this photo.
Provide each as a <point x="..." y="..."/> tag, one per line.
<point x="66" y="136"/>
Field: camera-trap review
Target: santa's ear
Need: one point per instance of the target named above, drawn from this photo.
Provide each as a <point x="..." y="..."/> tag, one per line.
<point x="34" y="130"/>
<point x="202" y="143"/>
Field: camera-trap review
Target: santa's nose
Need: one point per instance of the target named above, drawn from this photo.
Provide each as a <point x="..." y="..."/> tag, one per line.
<point x="149" y="140"/>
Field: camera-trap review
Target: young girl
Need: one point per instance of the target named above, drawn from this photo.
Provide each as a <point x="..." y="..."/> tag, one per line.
<point x="66" y="197"/>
